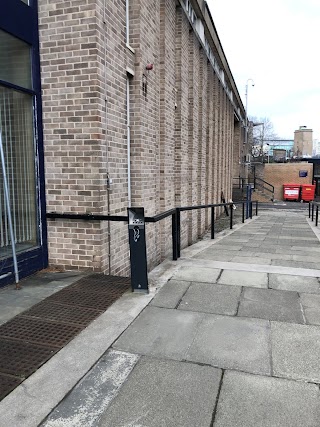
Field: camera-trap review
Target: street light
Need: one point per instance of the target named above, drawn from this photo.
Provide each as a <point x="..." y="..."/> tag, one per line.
<point x="246" y="109"/>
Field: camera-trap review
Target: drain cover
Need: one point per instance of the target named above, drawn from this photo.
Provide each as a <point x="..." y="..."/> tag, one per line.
<point x="31" y="338"/>
<point x="38" y="331"/>
<point x="101" y="283"/>
<point x="21" y="358"/>
<point x="71" y="314"/>
<point x="7" y="384"/>
<point x="99" y="301"/>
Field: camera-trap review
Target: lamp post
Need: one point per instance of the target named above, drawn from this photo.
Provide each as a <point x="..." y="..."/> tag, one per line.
<point x="246" y="109"/>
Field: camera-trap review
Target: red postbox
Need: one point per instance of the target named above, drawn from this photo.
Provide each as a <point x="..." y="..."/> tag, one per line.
<point x="307" y="192"/>
<point x="291" y="191"/>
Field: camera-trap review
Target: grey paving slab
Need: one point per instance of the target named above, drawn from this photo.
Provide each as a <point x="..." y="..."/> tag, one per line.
<point x="194" y="273"/>
<point x="296" y="264"/>
<point x="294" y="283"/>
<point x="244" y="278"/>
<point x="233" y="248"/>
<point x="258" y="401"/>
<point x="165" y="393"/>
<point x="215" y="255"/>
<point x="311" y="308"/>
<point x="218" y="299"/>
<point x="88" y="400"/>
<point x="170" y="294"/>
<point x="233" y="343"/>
<point x="251" y="260"/>
<point x="271" y="304"/>
<point x="295" y="351"/>
<point x="160" y="332"/>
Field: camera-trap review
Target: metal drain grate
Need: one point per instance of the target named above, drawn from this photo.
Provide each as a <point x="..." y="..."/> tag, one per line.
<point x="31" y="338"/>
<point x="7" y="384"/>
<point x="99" y="301"/>
<point x="101" y="283"/>
<point x="71" y="314"/>
<point x="38" y="331"/>
<point x="20" y="358"/>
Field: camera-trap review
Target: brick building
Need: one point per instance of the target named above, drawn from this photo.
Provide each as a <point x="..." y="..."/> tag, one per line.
<point x="137" y="107"/>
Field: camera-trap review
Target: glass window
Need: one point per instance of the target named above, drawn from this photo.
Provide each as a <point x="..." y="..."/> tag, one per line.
<point x="15" y="60"/>
<point x="25" y="1"/>
<point x="16" y="127"/>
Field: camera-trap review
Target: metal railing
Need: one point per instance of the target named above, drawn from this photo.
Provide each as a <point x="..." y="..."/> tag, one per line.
<point x="264" y="185"/>
<point x="314" y="206"/>
<point x="175" y="213"/>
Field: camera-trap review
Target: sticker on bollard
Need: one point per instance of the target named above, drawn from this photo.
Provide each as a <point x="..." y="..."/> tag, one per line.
<point x="138" y="251"/>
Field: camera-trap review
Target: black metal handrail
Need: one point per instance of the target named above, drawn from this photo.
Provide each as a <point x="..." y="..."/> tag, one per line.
<point x="259" y="182"/>
<point x="175" y="213"/>
<point x="312" y="205"/>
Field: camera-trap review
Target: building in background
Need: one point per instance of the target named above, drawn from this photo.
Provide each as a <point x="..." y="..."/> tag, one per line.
<point x="135" y="105"/>
<point x="303" y="142"/>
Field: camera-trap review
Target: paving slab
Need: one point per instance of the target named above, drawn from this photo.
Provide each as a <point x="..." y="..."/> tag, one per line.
<point x="170" y="294"/>
<point x="165" y="393"/>
<point x="211" y="298"/>
<point x="311" y="308"/>
<point x="271" y="304"/>
<point x="244" y="278"/>
<point x="295" y="351"/>
<point x="233" y="343"/>
<point x="160" y="332"/>
<point x="251" y="401"/>
<point x="294" y="283"/>
<point x="215" y="255"/>
<point x="296" y="264"/>
<point x="249" y="260"/>
<point x="88" y="400"/>
<point x="207" y="275"/>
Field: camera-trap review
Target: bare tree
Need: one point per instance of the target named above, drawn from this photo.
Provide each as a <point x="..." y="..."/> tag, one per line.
<point x="261" y="131"/>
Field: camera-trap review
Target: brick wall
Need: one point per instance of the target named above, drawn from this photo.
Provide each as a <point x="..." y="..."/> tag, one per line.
<point x="278" y="174"/>
<point x="181" y="126"/>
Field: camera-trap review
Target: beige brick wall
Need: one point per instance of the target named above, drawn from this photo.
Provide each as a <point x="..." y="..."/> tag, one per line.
<point x="181" y="126"/>
<point x="278" y="174"/>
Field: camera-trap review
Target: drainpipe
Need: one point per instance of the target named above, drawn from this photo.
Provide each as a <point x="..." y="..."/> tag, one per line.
<point x="109" y="180"/>
<point x="128" y="140"/>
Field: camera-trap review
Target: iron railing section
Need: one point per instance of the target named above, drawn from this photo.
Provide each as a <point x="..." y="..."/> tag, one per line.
<point x="266" y="186"/>
<point x="175" y="214"/>
<point x="314" y="212"/>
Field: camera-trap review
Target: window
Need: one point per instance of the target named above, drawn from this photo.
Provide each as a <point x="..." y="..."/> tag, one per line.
<point x="15" y="60"/>
<point x="17" y="130"/>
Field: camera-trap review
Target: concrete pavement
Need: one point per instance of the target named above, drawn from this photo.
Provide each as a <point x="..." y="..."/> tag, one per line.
<point x="230" y="337"/>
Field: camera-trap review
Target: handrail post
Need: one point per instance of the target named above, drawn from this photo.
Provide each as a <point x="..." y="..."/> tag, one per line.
<point x="212" y="222"/>
<point x="174" y="237"/>
<point x="178" y="232"/>
<point x="317" y="215"/>
<point x="242" y="212"/>
<point x="231" y="216"/>
<point x="138" y="250"/>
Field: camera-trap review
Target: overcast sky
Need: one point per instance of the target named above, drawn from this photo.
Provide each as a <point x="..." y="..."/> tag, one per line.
<point x="275" y="43"/>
